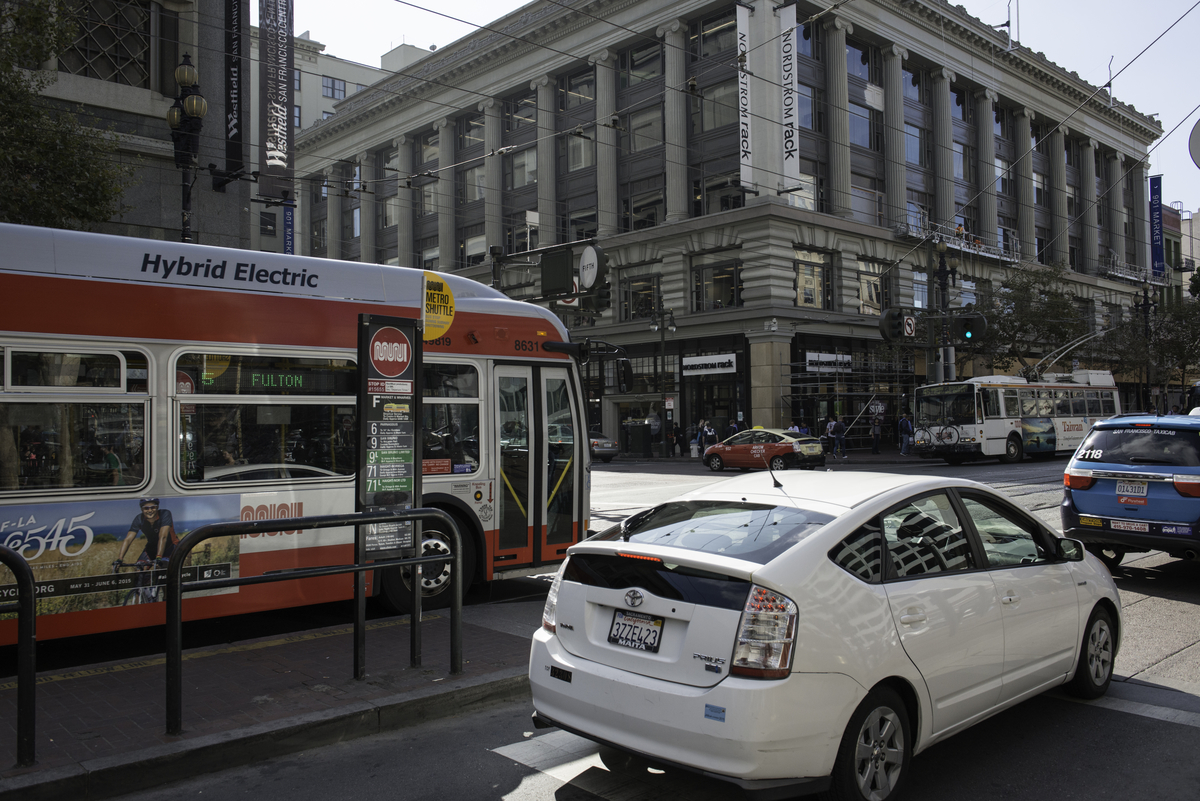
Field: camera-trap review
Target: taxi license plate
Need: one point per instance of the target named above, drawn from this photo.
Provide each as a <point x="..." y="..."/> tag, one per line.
<point x="635" y="630"/>
<point x="1132" y="493"/>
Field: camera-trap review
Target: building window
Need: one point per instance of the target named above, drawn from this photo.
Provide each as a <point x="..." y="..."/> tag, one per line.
<point x="351" y="223"/>
<point x="295" y="116"/>
<point x="716" y="107"/>
<point x="579" y="150"/>
<point x="581" y="224"/>
<point x="427" y="147"/>
<point x="1042" y="244"/>
<point x="1002" y="124"/>
<point x="866" y="204"/>
<point x="870" y="289"/>
<point x="113" y="44"/>
<point x="920" y="290"/>
<point x="1040" y="196"/>
<point x="960" y="105"/>
<point x="861" y="127"/>
<point x="327" y="114"/>
<point x="715" y="35"/>
<point x="319" y="239"/>
<point x="427" y="248"/>
<point x="644" y="63"/>
<point x="964" y="162"/>
<point x="715" y="193"/>
<point x="637" y="294"/>
<point x="266" y="223"/>
<point x="1006" y="235"/>
<point x="858" y="61"/>
<point x="813" y="280"/>
<point x="470" y="131"/>
<point x="1004" y="178"/>
<point x="643" y="130"/>
<point x="472" y="246"/>
<point x="1074" y="202"/>
<point x="296" y="80"/>
<point x="333" y="87"/>
<point x="520" y="112"/>
<point x="426" y="198"/>
<point x="914" y="85"/>
<point x="473" y="181"/>
<point x="520" y="169"/>
<point x="519" y="234"/>
<point x="643" y="208"/>
<point x="578" y="89"/>
<point x="388" y="214"/>
<point x="916" y="146"/>
<point x="716" y="286"/>
<point x="808" y="42"/>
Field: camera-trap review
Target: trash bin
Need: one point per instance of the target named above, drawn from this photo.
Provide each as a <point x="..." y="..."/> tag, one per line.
<point x="695" y="449"/>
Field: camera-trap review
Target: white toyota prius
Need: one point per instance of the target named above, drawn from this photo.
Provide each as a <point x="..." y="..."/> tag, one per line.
<point x="796" y="633"/>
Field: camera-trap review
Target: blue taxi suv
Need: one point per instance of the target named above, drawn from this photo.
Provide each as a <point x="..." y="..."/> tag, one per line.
<point x="1134" y="485"/>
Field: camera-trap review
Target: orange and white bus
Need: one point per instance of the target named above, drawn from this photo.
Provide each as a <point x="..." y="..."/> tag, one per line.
<point x="222" y="384"/>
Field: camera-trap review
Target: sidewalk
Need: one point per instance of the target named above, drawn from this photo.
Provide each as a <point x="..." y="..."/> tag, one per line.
<point x="888" y="455"/>
<point x="101" y="729"/>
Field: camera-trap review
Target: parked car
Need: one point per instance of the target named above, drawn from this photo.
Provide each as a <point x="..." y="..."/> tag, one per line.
<point x="1134" y="485"/>
<point x="763" y="448"/>
<point x="602" y="447"/>
<point x="794" y="633"/>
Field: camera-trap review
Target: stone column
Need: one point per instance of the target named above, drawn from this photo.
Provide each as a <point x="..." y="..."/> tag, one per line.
<point x="986" y="147"/>
<point x="493" y="168"/>
<point x="1139" y="226"/>
<point x="333" y="213"/>
<point x="1024" y="175"/>
<point x="547" y="156"/>
<point x="406" y="200"/>
<point x="838" y="118"/>
<point x="895" y="171"/>
<point x="607" y="202"/>
<point x="675" y="113"/>
<point x="943" y="148"/>
<point x="1059" y="230"/>
<point x="770" y="352"/>
<point x="1116" y="206"/>
<point x="1091" y="218"/>
<point x="366" y="208"/>
<point x="447" y="241"/>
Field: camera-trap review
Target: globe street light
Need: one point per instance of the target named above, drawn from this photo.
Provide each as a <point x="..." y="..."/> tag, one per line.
<point x="186" y="120"/>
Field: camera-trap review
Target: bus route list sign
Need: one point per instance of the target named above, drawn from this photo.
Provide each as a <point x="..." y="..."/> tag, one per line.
<point x="389" y="474"/>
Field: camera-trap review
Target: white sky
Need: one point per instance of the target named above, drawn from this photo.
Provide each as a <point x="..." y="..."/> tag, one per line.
<point x="1078" y="36"/>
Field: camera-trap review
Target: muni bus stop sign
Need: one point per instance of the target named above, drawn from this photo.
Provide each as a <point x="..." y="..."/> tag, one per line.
<point x="389" y="398"/>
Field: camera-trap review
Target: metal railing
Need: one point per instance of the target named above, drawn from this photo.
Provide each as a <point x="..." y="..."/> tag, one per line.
<point x="26" y="609"/>
<point x="176" y="587"/>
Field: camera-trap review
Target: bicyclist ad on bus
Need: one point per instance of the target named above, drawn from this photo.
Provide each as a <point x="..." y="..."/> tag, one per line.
<point x="389" y="476"/>
<point x="99" y="554"/>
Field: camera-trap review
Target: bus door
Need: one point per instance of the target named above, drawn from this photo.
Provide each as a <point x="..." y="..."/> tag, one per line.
<point x="539" y="440"/>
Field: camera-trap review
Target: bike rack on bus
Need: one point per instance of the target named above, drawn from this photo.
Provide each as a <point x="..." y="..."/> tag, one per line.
<point x="176" y="587"/>
<point x="26" y="609"/>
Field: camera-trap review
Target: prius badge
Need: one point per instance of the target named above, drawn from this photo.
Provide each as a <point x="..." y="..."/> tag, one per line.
<point x="634" y="598"/>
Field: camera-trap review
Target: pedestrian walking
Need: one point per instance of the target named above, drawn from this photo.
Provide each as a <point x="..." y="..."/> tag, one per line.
<point x="839" y="437"/>
<point x="876" y="433"/>
<point x="906" y="435"/>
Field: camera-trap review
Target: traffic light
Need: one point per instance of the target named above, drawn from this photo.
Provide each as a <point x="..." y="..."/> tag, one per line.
<point x="602" y="297"/>
<point x="891" y="325"/>
<point x="967" y="327"/>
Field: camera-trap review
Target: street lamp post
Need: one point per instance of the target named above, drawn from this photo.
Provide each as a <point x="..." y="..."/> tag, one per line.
<point x="1149" y="302"/>
<point x="663" y="321"/>
<point x="946" y="274"/>
<point x="186" y="120"/>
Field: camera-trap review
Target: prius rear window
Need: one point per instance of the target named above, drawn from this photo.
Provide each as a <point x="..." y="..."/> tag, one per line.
<point x="1132" y="446"/>
<point x="752" y="531"/>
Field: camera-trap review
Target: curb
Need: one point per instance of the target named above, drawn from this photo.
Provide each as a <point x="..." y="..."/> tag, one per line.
<point x="107" y="777"/>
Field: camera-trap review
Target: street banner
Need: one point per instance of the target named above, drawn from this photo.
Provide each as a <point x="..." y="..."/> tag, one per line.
<point x="1158" y="258"/>
<point x="743" y="45"/>
<point x="276" y="61"/>
<point x="787" y="60"/>
<point x="235" y="67"/>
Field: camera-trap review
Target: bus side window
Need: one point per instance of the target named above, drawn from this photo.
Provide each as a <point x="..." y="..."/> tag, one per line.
<point x="990" y="403"/>
<point x="1078" y="405"/>
<point x="1011" y="407"/>
<point x="1028" y="403"/>
<point x="1062" y="402"/>
<point x="1108" y="406"/>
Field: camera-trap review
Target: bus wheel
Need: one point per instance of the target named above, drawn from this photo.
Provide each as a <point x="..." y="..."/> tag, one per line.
<point x="1013" y="451"/>
<point x="435" y="576"/>
<point x="955" y="460"/>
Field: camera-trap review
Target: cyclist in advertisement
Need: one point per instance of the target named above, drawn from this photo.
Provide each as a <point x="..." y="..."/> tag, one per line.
<point x="157" y="526"/>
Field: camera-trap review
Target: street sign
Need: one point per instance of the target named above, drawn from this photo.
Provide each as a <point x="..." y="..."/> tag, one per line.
<point x="910" y="325"/>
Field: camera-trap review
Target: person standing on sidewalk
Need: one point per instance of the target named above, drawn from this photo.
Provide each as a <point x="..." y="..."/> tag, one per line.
<point x="906" y="435"/>
<point x="839" y="437"/>
<point x="876" y="433"/>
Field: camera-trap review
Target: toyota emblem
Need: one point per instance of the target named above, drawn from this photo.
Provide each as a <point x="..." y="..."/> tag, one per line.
<point x="634" y="598"/>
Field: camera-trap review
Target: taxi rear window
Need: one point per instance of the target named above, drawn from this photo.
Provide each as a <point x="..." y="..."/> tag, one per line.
<point x="1141" y="445"/>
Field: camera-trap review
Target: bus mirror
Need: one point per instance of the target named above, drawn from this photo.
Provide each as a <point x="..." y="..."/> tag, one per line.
<point x="625" y="375"/>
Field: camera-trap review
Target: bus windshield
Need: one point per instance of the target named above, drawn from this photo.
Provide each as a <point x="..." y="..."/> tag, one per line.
<point x="948" y="404"/>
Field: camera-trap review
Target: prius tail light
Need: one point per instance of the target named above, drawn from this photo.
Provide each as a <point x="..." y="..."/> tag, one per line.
<point x="550" y="610"/>
<point x="767" y="636"/>
<point x="1078" y="478"/>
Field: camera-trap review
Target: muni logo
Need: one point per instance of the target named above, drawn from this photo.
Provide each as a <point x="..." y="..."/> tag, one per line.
<point x="390" y="352"/>
<point x="274" y="511"/>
